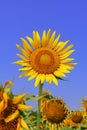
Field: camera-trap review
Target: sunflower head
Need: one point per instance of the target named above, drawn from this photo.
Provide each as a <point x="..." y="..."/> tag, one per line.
<point x="55" y="110"/>
<point x="10" y="107"/>
<point x="77" y="116"/>
<point x="84" y="103"/>
<point x="46" y="58"/>
<point x="75" y="119"/>
<point x="84" y="106"/>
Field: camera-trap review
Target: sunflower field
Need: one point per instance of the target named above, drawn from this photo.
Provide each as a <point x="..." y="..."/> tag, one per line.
<point x="45" y="59"/>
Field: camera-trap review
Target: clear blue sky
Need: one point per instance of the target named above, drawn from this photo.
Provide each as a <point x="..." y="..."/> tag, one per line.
<point x="19" y="18"/>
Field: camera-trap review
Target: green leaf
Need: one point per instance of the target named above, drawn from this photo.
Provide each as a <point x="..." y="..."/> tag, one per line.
<point x="29" y="97"/>
<point x="8" y="89"/>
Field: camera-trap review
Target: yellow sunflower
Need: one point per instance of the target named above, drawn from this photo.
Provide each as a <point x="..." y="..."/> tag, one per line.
<point x="54" y="110"/>
<point x="74" y="119"/>
<point x="46" y="58"/>
<point x="10" y="111"/>
<point x="84" y="106"/>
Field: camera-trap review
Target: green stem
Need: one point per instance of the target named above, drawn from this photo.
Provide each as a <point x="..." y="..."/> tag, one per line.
<point x="39" y="105"/>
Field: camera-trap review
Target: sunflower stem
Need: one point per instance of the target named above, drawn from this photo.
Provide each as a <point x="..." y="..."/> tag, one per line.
<point x="39" y="106"/>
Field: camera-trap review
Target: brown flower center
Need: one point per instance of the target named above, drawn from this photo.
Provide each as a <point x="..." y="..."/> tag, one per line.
<point x="77" y="118"/>
<point x="9" y="110"/>
<point x="57" y="111"/>
<point x="44" y="60"/>
<point x="12" y="125"/>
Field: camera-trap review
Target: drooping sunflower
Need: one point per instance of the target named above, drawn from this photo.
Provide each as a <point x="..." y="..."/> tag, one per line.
<point x="46" y="58"/>
<point x="74" y="119"/>
<point x="54" y="110"/>
<point x="10" y="108"/>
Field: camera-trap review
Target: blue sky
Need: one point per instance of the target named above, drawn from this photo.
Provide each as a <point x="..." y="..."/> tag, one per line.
<point x="19" y="18"/>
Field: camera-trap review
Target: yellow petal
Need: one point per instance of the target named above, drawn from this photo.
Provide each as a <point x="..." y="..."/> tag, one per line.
<point x="50" y="78"/>
<point x="23" y="57"/>
<point x="55" y="80"/>
<point x="69" y="66"/>
<point x="26" y="45"/>
<point x="47" y="77"/>
<point x="36" y="41"/>
<point x="52" y="39"/>
<point x="67" y="54"/>
<point x="19" y="127"/>
<point x="63" y="69"/>
<point x="66" y="49"/>
<point x="53" y="126"/>
<point x="23" y="107"/>
<point x="67" y="60"/>
<point x="18" y="98"/>
<point x="22" y="63"/>
<point x="19" y="124"/>
<point x="42" y="78"/>
<point x="48" y="34"/>
<point x="26" y="68"/>
<point x="24" y="125"/>
<point x="28" y="73"/>
<point x="31" y="72"/>
<point x="38" y="78"/>
<point x="59" y="74"/>
<point x="44" y="39"/>
<point x="33" y="76"/>
<point x="25" y="53"/>
<point x="55" y="41"/>
<point x="25" y="73"/>
<point x="60" y="45"/>
<point x="2" y="106"/>
<point x="30" y="41"/>
<point x="12" y="116"/>
<point x="5" y="97"/>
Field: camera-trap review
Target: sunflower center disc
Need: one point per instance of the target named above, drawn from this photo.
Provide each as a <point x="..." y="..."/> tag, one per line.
<point x="77" y="118"/>
<point x="44" y="60"/>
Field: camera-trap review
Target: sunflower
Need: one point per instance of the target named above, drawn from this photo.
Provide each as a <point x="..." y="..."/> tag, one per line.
<point x="84" y="106"/>
<point x="84" y="103"/>
<point x="74" y="119"/>
<point x="46" y="58"/>
<point x="10" y="111"/>
<point x="55" y="110"/>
